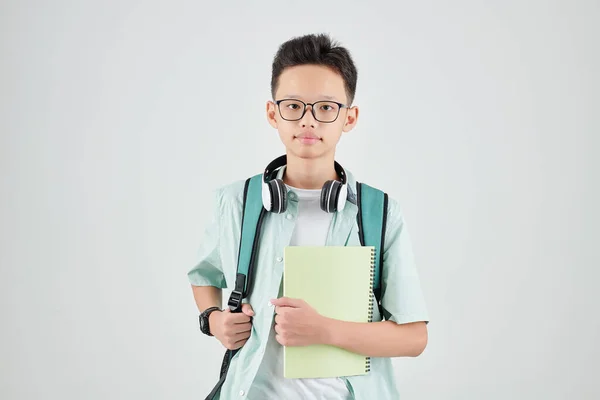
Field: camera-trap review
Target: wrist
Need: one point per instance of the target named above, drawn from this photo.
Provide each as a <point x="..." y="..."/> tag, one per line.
<point x="327" y="332"/>
<point x="213" y="319"/>
<point x="205" y="318"/>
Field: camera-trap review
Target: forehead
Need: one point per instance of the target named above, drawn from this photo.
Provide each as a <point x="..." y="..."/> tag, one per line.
<point x="311" y="83"/>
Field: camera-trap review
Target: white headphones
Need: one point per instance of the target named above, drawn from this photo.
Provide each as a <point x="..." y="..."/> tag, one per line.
<point x="274" y="193"/>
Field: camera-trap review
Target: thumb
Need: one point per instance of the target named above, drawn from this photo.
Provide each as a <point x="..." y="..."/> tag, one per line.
<point x="247" y="309"/>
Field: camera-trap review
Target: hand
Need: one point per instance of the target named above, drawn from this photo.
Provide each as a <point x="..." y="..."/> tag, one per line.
<point x="297" y="323"/>
<point x="232" y="329"/>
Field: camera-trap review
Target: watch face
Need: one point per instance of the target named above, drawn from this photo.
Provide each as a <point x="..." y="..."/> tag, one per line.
<point x="203" y="323"/>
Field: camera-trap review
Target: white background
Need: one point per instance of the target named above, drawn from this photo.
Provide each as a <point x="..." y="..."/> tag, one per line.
<point x="118" y="118"/>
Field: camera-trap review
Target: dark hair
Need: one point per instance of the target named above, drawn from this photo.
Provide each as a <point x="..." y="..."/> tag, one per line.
<point x="315" y="49"/>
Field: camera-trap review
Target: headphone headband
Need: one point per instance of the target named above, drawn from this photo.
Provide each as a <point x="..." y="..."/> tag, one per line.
<point x="282" y="161"/>
<point x="274" y="166"/>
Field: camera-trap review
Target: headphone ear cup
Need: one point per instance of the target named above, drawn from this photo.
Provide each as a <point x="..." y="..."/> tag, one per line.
<point x="278" y="195"/>
<point x="324" y="195"/>
<point x="335" y="194"/>
<point x="329" y="196"/>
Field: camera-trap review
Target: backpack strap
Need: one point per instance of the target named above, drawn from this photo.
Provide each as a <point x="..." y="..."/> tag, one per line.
<point x="252" y="216"/>
<point x="372" y="214"/>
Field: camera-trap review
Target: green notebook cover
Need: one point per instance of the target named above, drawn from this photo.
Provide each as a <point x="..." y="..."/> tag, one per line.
<point x="336" y="281"/>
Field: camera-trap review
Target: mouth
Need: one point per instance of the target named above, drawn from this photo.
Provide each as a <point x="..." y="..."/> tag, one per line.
<point x="307" y="139"/>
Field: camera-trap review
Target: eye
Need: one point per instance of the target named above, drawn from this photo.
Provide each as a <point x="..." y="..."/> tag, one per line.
<point x="328" y="107"/>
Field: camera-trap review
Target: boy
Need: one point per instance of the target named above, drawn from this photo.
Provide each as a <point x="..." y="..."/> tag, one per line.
<point x="313" y="86"/>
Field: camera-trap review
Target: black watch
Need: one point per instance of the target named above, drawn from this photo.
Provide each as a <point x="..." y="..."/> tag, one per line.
<point x="204" y="326"/>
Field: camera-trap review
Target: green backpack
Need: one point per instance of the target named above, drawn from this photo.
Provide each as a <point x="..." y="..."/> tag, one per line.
<point x="372" y="211"/>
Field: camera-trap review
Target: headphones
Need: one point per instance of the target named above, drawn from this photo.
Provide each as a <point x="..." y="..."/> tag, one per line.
<point x="274" y="192"/>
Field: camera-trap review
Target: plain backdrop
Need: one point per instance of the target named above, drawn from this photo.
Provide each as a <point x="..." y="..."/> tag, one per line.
<point x="117" y="119"/>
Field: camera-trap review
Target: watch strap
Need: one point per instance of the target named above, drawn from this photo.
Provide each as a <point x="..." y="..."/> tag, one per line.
<point x="205" y="327"/>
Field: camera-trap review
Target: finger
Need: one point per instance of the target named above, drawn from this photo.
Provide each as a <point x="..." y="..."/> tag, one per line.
<point x="247" y="309"/>
<point x="238" y="318"/>
<point x="240" y="328"/>
<point x="281" y="340"/>
<point x="278" y="319"/>
<point x="283" y="310"/>
<point x="241" y="336"/>
<point x="287" y="302"/>
<point x="233" y="337"/>
<point x="278" y="329"/>
<point x="239" y="343"/>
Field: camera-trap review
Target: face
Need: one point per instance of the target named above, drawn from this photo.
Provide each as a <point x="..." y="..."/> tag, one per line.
<point x="308" y="137"/>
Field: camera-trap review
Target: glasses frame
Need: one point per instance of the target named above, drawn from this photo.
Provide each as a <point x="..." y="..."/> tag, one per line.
<point x="312" y="109"/>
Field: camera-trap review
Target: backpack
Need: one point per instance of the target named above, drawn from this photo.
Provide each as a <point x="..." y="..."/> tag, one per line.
<point x="372" y="211"/>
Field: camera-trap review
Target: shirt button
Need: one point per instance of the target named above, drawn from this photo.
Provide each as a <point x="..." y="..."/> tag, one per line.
<point x="279" y="259"/>
<point x="290" y="216"/>
<point x="242" y="393"/>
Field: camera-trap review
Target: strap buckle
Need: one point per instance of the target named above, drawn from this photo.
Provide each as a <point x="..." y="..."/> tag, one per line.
<point x="235" y="301"/>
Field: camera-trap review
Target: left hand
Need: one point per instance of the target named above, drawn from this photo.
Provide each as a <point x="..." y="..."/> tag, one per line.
<point x="297" y="323"/>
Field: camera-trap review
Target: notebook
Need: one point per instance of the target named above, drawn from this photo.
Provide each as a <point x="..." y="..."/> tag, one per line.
<point x="337" y="281"/>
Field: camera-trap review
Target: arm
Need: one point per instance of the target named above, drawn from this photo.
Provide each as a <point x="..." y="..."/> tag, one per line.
<point x="205" y="297"/>
<point x="299" y="324"/>
<point x="376" y="339"/>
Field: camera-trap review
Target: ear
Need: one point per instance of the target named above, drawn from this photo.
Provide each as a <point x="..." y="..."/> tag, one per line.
<point x="351" y="119"/>
<point x="272" y="114"/>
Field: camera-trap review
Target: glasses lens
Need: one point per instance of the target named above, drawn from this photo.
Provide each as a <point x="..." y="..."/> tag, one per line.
<point x="326" y="111"/>
<point x="291" y="109"/>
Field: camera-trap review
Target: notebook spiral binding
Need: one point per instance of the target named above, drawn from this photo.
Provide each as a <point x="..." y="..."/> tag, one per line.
<point x="371" y="300"/>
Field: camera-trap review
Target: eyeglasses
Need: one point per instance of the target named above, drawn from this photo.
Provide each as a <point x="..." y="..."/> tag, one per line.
<point x="322" y="111"/>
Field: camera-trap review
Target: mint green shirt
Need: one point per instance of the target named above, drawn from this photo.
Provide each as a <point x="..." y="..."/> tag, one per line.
<point x="402" y="298"/>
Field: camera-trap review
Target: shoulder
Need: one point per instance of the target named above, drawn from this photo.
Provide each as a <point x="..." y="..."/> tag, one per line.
<point x="394" y="209"/>
<point x="395" y="229"/>
<point x="231" y="192"/>
<point x="230" y="196"/>
<point x="394" y="216"/>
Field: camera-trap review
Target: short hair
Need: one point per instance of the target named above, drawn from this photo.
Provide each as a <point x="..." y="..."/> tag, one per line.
<point x="315" y="49"/>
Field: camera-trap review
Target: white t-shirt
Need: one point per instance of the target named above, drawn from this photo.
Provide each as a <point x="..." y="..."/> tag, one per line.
<point x="311" y="229"/>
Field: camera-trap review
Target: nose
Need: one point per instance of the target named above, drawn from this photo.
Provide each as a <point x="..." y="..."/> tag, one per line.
<point x="308" y="119"/>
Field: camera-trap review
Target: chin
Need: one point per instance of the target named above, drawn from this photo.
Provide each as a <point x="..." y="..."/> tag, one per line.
<point x="305" y="152"/>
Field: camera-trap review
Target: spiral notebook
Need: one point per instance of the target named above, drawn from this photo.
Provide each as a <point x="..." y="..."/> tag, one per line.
<point x="337" y="281"/>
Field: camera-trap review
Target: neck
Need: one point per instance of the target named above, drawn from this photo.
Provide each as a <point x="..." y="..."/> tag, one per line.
<point x="309" y="173"/>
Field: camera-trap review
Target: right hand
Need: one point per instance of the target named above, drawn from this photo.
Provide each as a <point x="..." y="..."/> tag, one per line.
<point x="232" y="329"/>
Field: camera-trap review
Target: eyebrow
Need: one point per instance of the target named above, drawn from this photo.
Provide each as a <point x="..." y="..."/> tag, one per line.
<point x="295" y="96"/>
